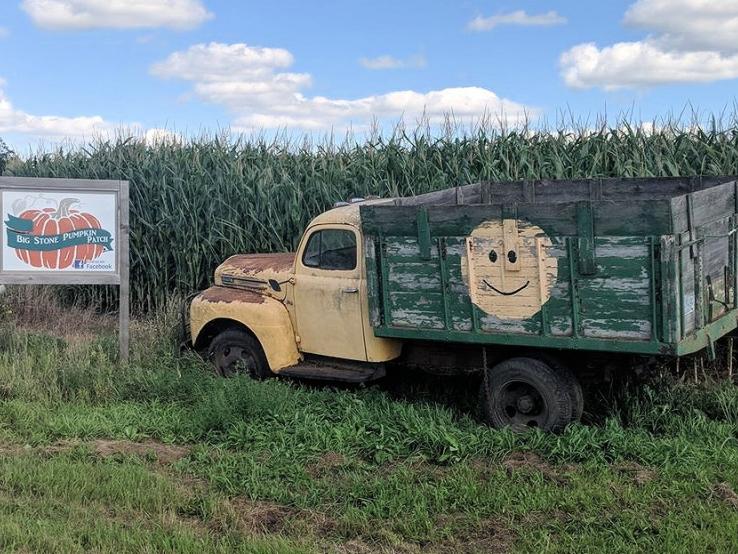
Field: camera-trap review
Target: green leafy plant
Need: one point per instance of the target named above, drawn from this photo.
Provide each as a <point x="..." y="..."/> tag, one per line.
<point x="195" y="203"/>
<point x="5" y="153"/>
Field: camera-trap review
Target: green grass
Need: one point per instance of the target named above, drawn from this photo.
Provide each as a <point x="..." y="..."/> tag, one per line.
<point x="76" y="502"/>
<point x="278" y="467"/>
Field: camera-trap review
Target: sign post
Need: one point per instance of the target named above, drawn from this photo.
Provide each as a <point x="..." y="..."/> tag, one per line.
<point x="67" y="232"/>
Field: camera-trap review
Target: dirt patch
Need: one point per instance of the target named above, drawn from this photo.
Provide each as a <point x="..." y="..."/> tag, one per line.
<point x="325" y="465"/>
<point x="641" y="475"/>
<point x="171" y="519"/>
<point x="58" y="447"/>
<point x="11" y="450"/>
<point x="424" y="470"/>
<point x="489" y="536"/>
<point x="45" y="450"/>
<point x="260" y="517"/>
<point x="725" y="492"/>
<point x="355" y="546"/>
<point x="528" y="461"/>
<point x="164" y="453"/>
<point x="359" y="546"/>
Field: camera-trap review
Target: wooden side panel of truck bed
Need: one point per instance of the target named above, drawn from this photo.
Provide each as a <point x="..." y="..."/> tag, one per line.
<point x="631" y="265"/>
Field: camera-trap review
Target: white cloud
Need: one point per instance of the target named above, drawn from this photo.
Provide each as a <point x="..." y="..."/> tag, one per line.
<point x="120" y="14"/>
<point x="642" y="64"/>
<point x="220" y="62"/>
<point x="519" y="17"/>
<point x="14" y="120"/>
<point x="321" y="113"/>
<point x="157" y="135"/>
<point x="390" y="62"/>
<point x="53" y="129"/>
<point x="694" y="41"/>
<point x="250" y="83"/>
<point x="689" y="24"/>
<point x="4" y="32"/>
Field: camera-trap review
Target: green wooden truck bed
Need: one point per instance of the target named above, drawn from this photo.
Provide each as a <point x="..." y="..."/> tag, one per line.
<point x="643" y="266"/>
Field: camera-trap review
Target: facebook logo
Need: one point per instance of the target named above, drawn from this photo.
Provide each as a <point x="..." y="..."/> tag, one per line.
<point x="79" y="264"/>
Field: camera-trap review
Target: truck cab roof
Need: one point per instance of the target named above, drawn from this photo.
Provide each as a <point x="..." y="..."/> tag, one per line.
<point x="347" y="215"/>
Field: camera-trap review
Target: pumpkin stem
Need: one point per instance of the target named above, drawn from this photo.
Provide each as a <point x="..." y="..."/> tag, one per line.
<point x="64" y="205"/>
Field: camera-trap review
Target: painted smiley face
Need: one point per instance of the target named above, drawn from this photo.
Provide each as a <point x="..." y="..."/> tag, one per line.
<point x="508" y="269"/>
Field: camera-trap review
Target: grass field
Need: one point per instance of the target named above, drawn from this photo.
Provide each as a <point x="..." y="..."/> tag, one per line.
<point x="160" y="456"/>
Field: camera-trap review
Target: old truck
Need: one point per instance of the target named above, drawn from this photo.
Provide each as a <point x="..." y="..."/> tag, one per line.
<point x="532" y="283"/>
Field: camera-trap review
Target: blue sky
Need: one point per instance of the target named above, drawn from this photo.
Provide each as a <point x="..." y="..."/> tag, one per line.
<point x="73" y="68"/>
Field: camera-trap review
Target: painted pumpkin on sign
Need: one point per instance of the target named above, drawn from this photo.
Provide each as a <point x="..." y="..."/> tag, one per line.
<point x="50" y="222"/>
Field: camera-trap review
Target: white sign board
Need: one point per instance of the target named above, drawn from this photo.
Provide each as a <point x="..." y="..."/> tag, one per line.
<point x="66" y="231"/>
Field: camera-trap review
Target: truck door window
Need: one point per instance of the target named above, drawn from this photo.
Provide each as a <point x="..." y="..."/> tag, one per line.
<point x="331" y="249"/>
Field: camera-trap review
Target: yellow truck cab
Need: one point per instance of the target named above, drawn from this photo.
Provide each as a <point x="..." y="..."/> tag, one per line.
<point x="305" y="314"/>
<point x="531" y="283"/>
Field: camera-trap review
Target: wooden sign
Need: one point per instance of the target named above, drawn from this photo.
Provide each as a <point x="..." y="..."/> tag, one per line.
<point x="66" y="231"/>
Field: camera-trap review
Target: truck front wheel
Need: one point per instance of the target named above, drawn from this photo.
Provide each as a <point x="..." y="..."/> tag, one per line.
<point x="235" y="352"/>
<point x="521" y="393"/>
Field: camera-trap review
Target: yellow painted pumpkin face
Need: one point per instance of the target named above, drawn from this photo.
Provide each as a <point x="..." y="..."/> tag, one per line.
<point x="508" y="268"/>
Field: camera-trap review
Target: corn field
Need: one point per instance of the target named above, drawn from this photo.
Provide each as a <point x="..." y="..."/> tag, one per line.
<point x="195" y="202"/>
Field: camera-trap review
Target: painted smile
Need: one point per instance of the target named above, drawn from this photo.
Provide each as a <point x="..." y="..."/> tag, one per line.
<point x="498" y="291"/>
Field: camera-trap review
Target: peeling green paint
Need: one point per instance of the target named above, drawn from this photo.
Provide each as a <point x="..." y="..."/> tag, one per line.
<point x="629" y="278"/>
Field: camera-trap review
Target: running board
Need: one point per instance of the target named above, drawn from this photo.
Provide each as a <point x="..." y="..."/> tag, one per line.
<point x="326" y="371"/>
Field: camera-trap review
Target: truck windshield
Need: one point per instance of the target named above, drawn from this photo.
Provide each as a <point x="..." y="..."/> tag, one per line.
<point x="331" y="249"/>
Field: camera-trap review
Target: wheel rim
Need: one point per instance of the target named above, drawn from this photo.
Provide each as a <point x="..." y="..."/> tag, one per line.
<point x="233" y="359"/>
<point x="520" y="405"/>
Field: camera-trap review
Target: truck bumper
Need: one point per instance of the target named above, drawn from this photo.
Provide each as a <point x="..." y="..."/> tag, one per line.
<point x="185" y="335"/>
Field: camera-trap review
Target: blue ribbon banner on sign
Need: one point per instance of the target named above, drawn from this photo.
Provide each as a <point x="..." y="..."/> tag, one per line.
<point x="20" y="237"/>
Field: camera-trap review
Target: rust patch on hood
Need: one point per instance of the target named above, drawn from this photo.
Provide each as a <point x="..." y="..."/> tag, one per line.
<point x="253" y="271"/>
<point x="228" y="295"/>
<point x="250" y="264"/>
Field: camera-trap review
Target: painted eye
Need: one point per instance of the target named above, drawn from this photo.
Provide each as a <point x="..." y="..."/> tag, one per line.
<point x="492" y="256"/>
<point x="512" y="256"/>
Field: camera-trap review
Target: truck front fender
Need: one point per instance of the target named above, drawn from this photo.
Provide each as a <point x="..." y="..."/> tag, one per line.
<point x="266" y="318"/>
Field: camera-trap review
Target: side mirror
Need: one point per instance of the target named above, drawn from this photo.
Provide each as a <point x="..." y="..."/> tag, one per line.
<point x="275" y="285"/>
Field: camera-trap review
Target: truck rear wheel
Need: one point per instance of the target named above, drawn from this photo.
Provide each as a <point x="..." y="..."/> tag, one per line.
<point x="234" y="352"/>
<point x="524" y="393"/>
<point x="566" y="373"/>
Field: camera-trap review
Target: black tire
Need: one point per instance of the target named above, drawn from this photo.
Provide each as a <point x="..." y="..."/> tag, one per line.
<point x="524" y="393"/>
<point x="578" y="396"/>
<point x="235" y="352"/>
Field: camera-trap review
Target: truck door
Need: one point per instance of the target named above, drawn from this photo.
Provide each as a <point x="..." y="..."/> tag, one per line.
<point x="328" y="306"/>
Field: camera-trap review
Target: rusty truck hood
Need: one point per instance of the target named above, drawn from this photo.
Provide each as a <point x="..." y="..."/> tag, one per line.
<point x="253" y="271"/>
